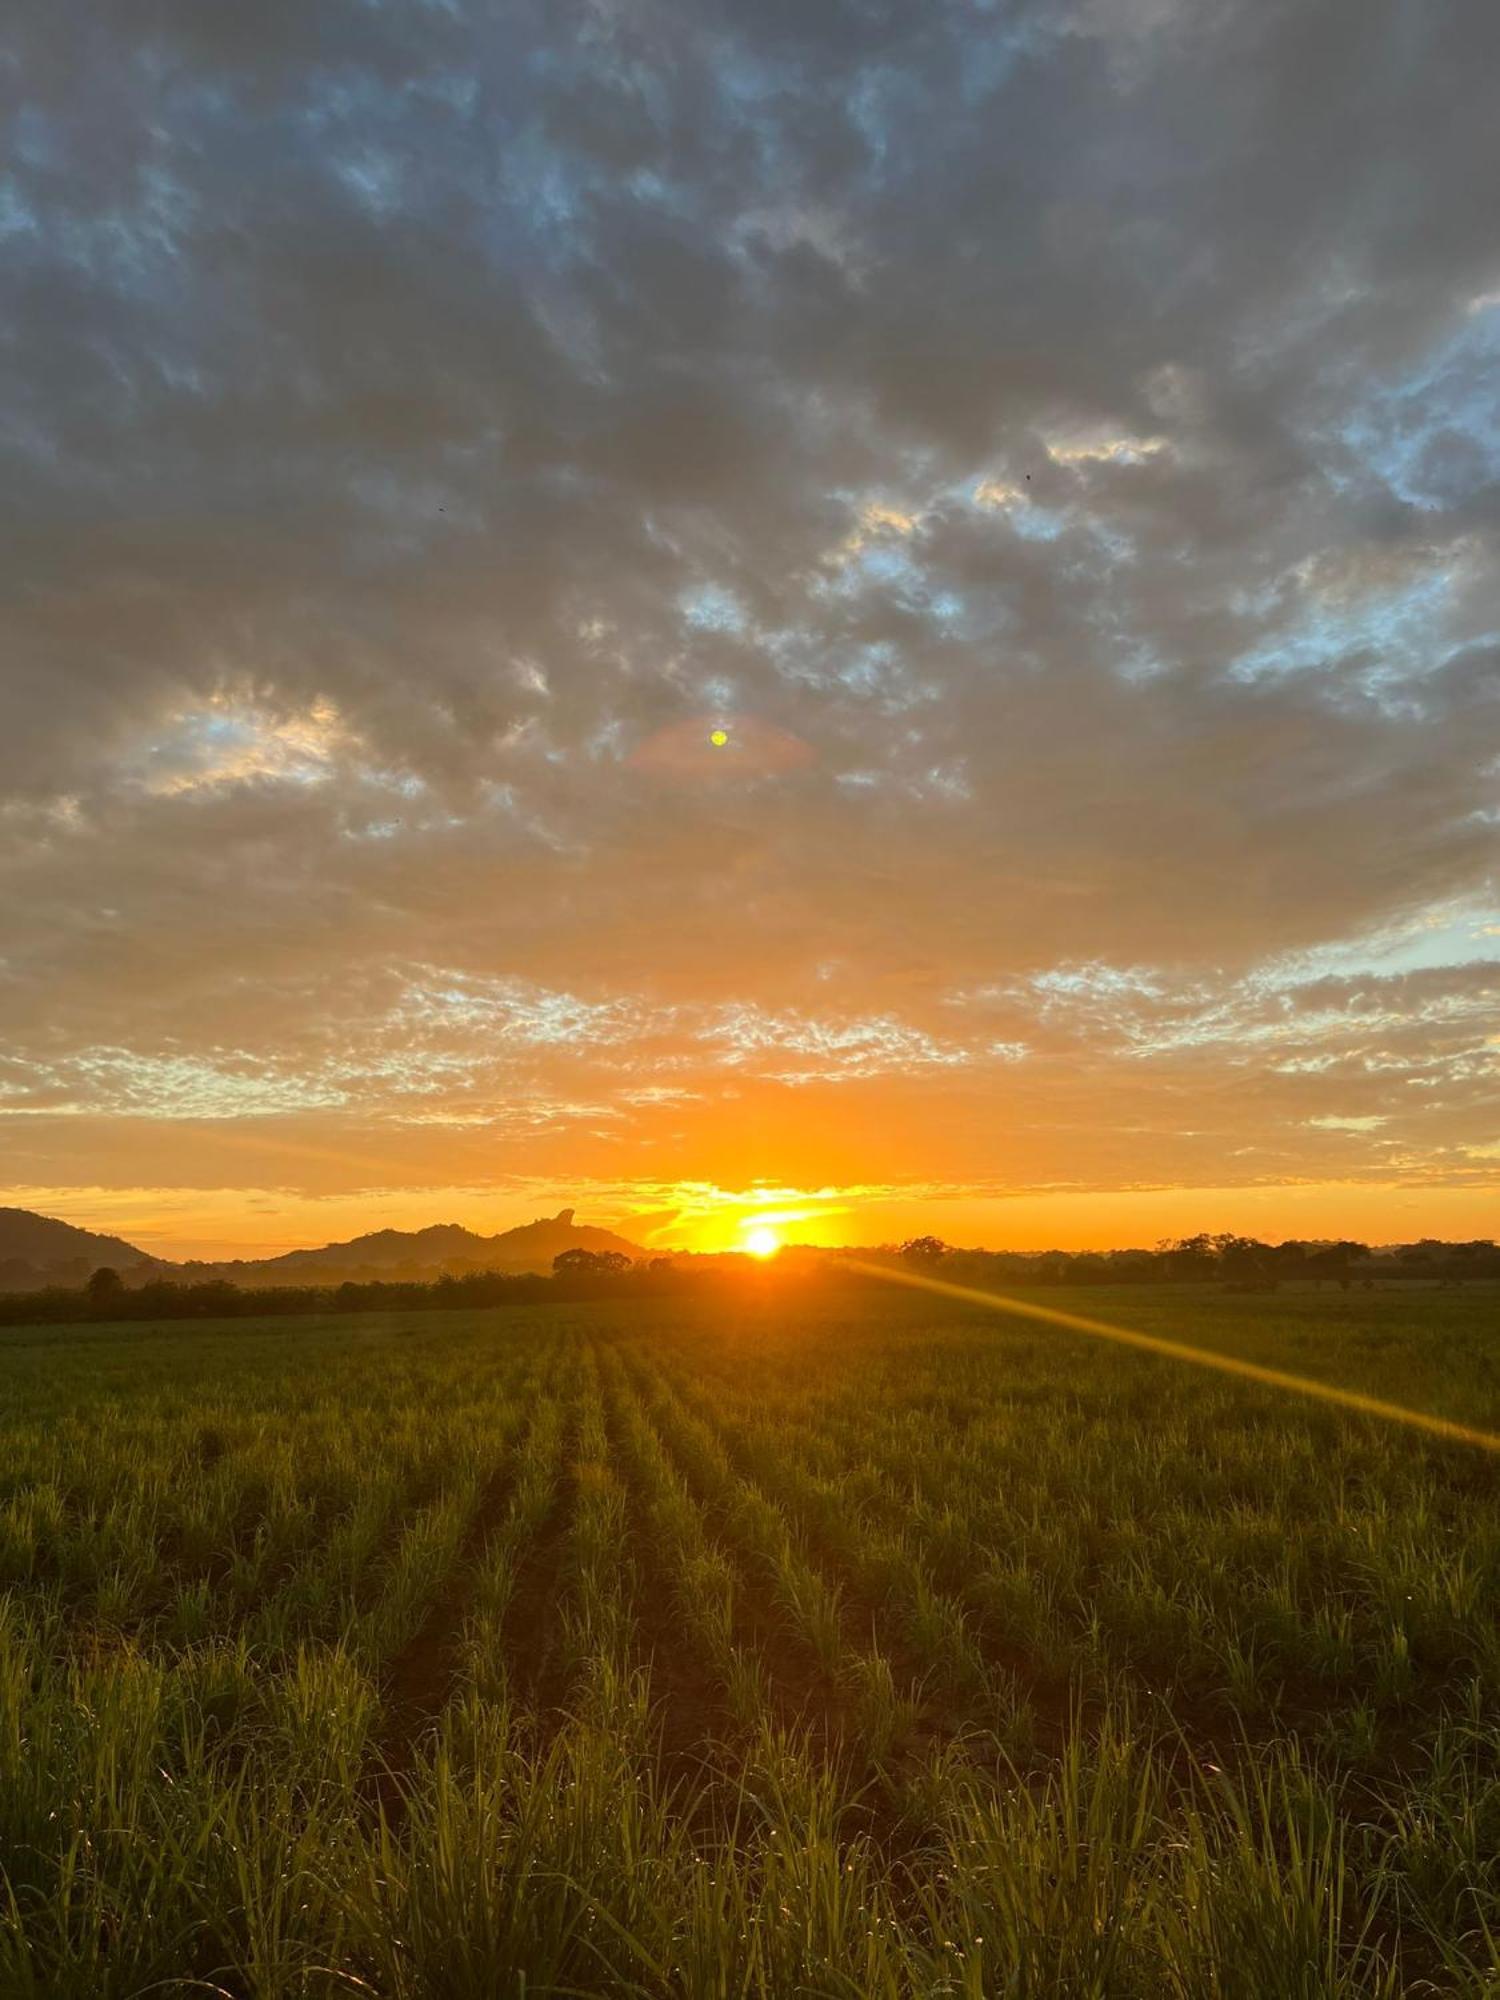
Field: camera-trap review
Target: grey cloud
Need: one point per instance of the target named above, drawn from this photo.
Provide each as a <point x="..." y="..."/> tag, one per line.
<point x="1084" y="410"/>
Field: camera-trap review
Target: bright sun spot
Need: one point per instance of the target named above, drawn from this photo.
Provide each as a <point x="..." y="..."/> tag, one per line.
<point x="762" y="1242"/>
<point x="719" y="738"/>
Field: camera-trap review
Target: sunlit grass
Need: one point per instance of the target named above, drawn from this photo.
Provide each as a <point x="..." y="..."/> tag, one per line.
<point x="895" y="1652"/>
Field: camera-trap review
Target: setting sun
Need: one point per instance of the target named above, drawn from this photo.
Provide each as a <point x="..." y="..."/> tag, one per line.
<point x="1048" y="451"/>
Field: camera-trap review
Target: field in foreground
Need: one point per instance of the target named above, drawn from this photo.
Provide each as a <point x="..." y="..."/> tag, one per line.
<point x="769" y="1647"/>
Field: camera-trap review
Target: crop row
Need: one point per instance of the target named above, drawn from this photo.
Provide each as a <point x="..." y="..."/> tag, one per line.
<point x="748" y="1659"/>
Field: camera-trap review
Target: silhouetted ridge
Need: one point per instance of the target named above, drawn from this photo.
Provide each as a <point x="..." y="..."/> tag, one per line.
<point x="425" y="1253"/>
<point x="39" y="1250"/>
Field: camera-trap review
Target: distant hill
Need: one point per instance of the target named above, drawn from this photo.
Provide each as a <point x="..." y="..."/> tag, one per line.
<point x="423" y="1253"/>
<point x="38" y="1250"/>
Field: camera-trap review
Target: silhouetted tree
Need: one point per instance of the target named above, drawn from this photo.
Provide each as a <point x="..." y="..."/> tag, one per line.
<point x="1191" y="1256"/>
<point x="1332" y="1260"/>
<point x="590" y="1263"/>
<point x="1245" y="1263"/>
<point x="105" y="1286"/>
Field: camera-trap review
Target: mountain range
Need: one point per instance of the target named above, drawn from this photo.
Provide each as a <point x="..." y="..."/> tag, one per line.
<point x="37" y="1250"/>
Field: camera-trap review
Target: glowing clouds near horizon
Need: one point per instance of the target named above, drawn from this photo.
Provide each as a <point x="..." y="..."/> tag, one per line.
<point x="715" y="745"/>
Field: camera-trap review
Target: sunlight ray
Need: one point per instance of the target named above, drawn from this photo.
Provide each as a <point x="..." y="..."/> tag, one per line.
<point x="1177" y="1350"/>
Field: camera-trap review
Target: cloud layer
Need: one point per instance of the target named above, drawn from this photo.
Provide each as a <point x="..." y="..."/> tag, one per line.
<point x="1056" y="445"/>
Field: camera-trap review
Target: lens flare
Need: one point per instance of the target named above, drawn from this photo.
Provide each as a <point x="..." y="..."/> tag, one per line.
<point x="1178" y="1350"/>
<point x="718" y="746"/>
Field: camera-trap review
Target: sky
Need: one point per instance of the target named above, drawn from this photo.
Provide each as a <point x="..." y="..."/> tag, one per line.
<point x="1055" y="444"/>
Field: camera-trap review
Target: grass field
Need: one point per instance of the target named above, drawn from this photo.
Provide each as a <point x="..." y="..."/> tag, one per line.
<point x="778" y="1646"/>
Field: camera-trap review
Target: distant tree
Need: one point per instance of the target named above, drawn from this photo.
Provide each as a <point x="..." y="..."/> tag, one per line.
<point x="215" y="1298"/>
<point x="1132" y="1267"/>
<point x="1192" y="1256"/>
<point x="1472" y="1260"/>
<point x="1332" y="1260"/>
<point x="105" y="1286"/>
<point x="590" y="1263"/>
<point x="1246" y="1263"/>
<point x="924" y="1250"/>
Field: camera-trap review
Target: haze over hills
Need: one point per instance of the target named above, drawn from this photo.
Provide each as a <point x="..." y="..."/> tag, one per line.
<point x="424" y="1253"/>
<point x="37" y="1250"/>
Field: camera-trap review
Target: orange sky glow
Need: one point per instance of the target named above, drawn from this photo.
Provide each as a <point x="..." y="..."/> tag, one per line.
<point x="214" y="1223"/>
<point x="891" y="619"/>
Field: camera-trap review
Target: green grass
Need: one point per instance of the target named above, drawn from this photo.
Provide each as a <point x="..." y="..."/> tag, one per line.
<point x="761" y="1647"/>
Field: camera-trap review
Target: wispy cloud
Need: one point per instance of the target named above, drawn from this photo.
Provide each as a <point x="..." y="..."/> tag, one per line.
<point x="1073" y="504"/>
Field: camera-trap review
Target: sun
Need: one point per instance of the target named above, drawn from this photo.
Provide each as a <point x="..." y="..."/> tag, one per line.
<point x="718" y="738"/>
<point x="762" y="1241"/>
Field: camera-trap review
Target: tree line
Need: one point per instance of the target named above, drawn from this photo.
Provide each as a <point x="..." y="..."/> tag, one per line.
<point x="1237" y="1263"/>
<point x="576" y="1274"/>
<point x="1241" y="1263"/>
